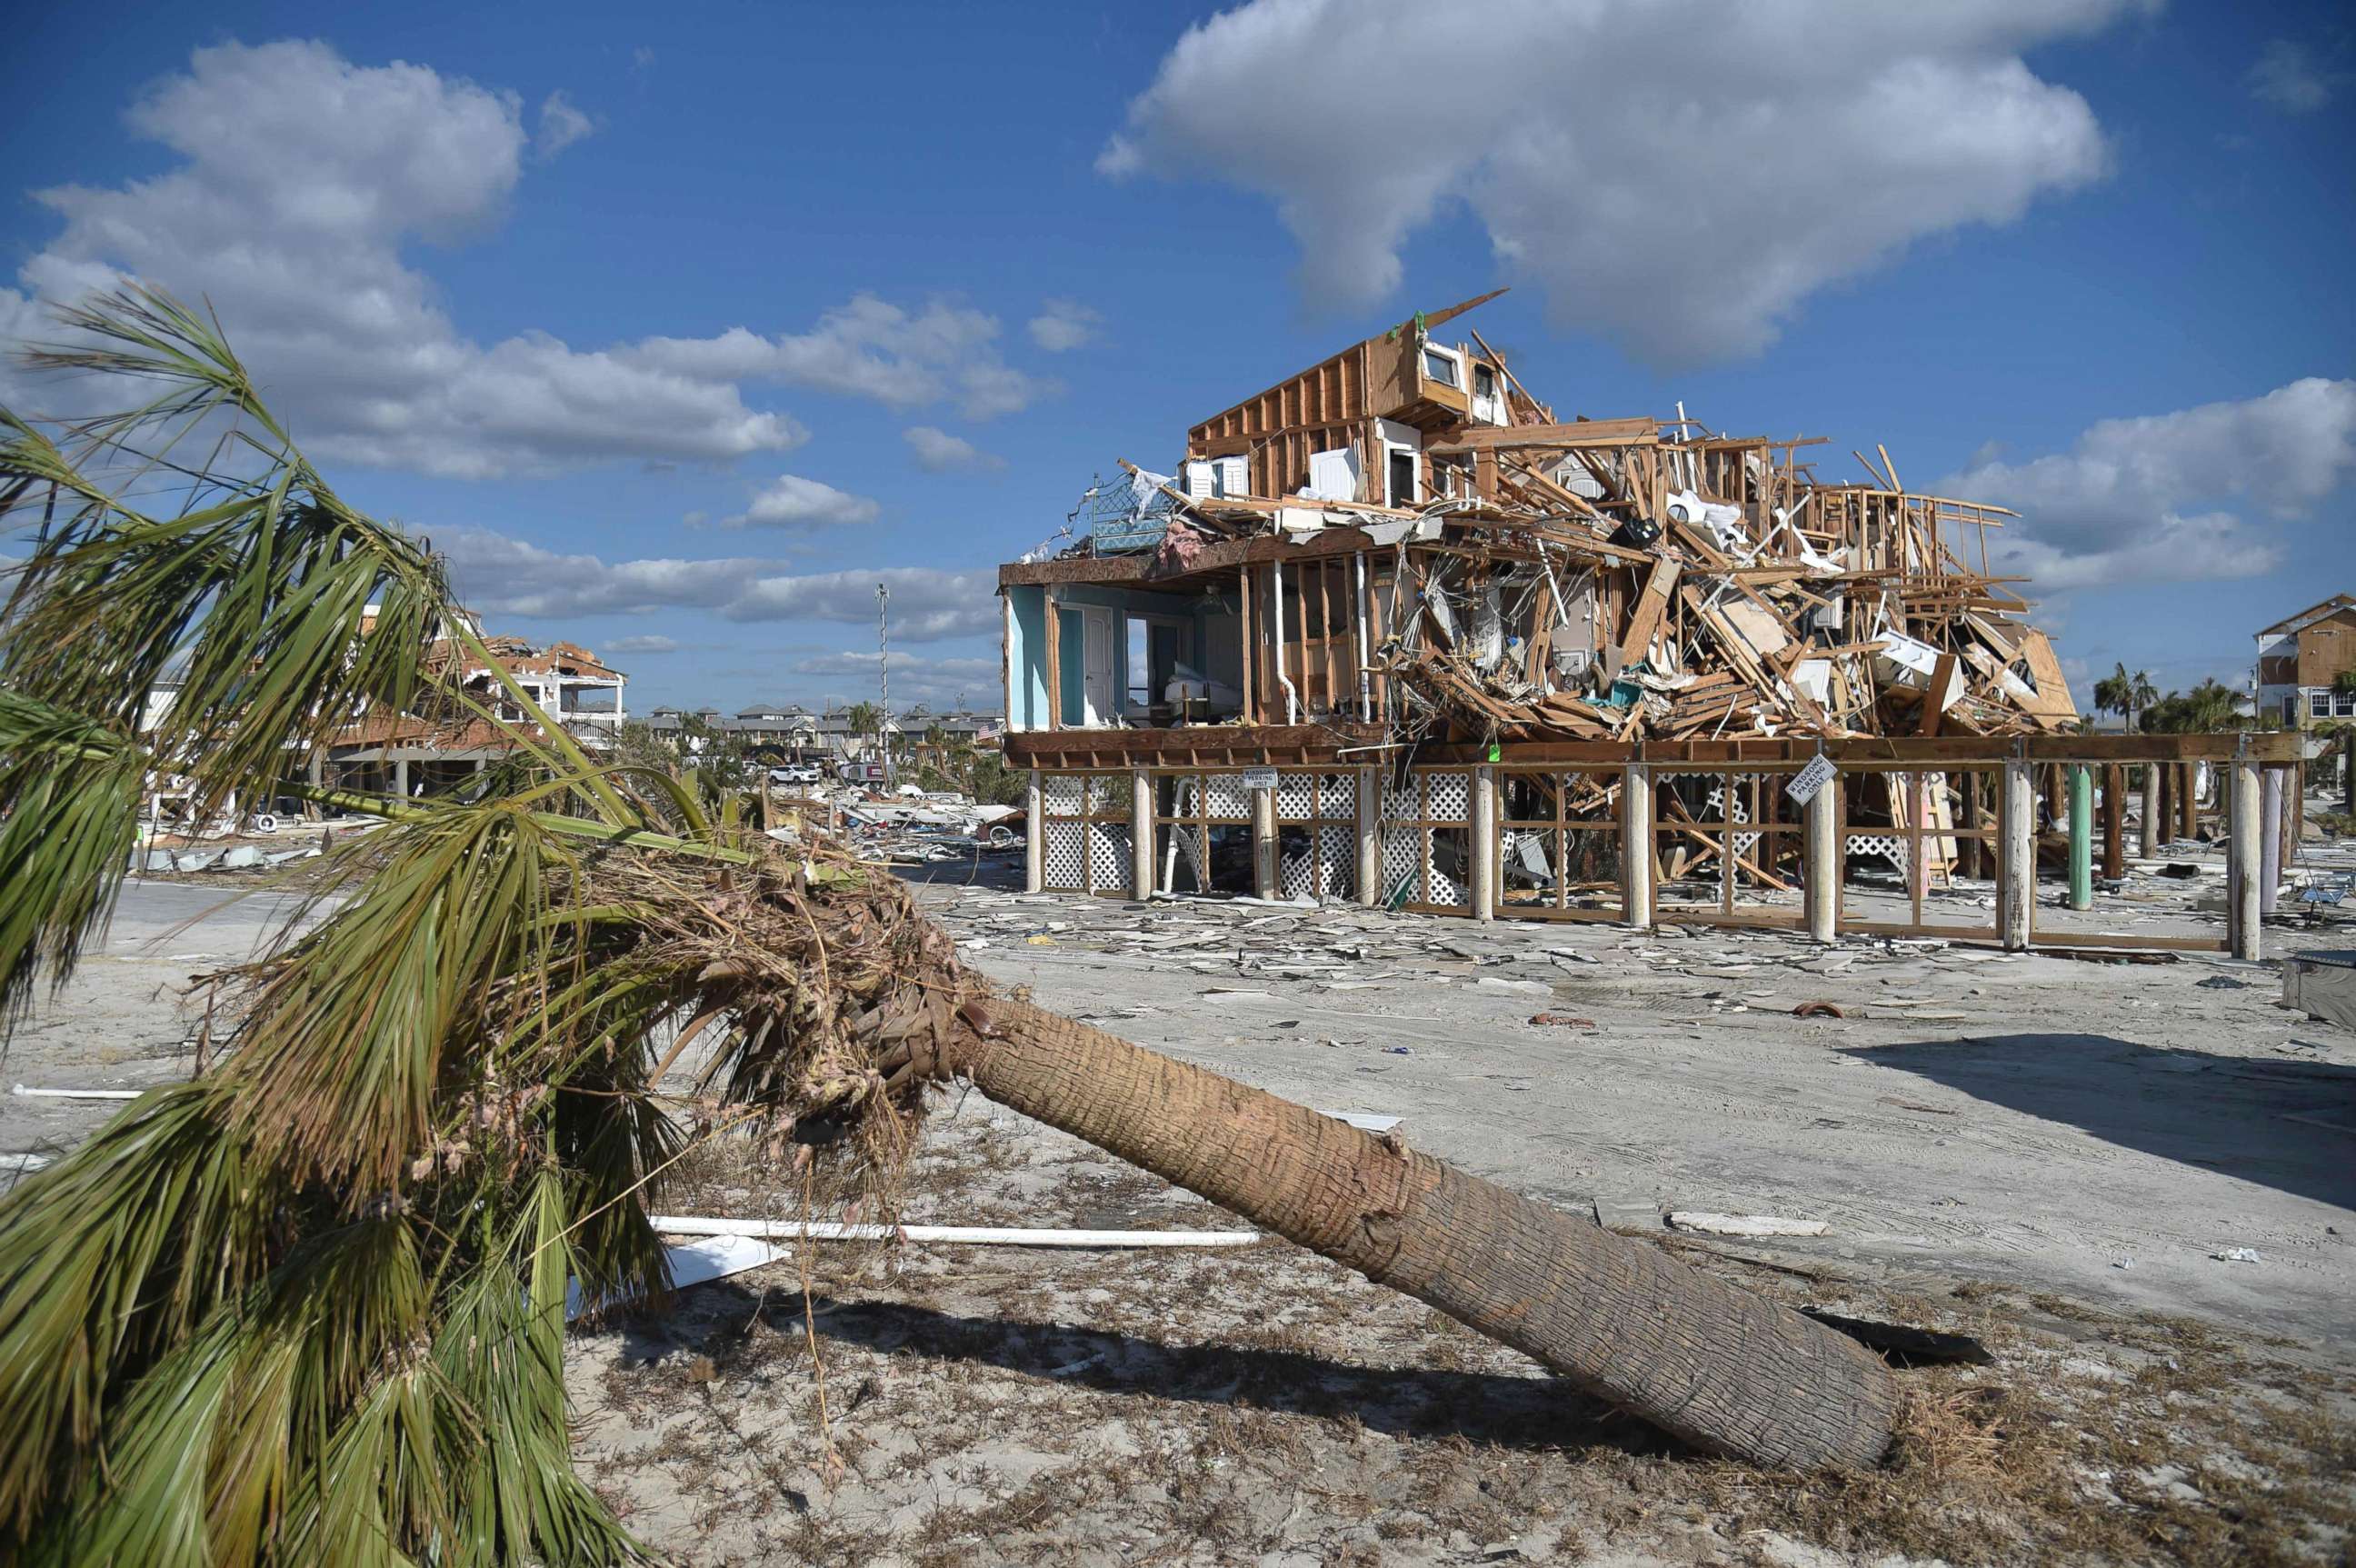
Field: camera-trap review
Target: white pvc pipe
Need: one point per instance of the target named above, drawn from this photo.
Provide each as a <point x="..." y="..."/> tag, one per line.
<point x="1291" y="696"/>
<point x="1365" y="653"/>
<point x="79" y="1093"/>
<point x="979" y="1235"/>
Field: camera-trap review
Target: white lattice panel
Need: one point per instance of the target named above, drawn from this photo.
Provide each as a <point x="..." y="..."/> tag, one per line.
<point x="1108" y="867"/>
<point x="1446" y="890"/>
<point x="1065" y="870"/>
<point x="1096" y="794"/>
<point x="1401" y="803"/>
<point x="1296" y="796"/>
<point x="1403" y="862"/>
<point x="1889" y="846"/>
<point x="1198" y="862"/>
<point x="1719" y="810"/>
<point x="1061" y="793"/>
<point x="1337" y="797"/>
<point x="1324" y="869"/>
<point x="1224" y="795"/>
<point x="1450" y="797"/>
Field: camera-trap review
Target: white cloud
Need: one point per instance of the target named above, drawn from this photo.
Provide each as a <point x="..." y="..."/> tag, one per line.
<point x="2287" y="77"/>
<point x="872" y="349"/>
<point x="649" y="642"/>
<point x="939" y="684"/>
<point x="300" y="182"/>
<point x="791" y="501"/>
<point x="497" y="576"/>
<point x="1680" y="175"/>
<point x="938" y="451"/>
<point x="2149" y="500"/>
<point x="560" y="126"/>
<point x="1064" y="323"/>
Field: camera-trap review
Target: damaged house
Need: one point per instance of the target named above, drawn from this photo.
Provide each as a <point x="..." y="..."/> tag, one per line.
<point x="409" y="753"/>
<point x="1397" y="631"/>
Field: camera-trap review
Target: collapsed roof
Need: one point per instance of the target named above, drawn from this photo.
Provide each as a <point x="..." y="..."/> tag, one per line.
<point x="1598" y="579"/>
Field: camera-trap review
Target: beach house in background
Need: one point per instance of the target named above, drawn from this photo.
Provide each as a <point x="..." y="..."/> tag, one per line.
<point x="2300" y="656"/>
<point x="410" y="753"/>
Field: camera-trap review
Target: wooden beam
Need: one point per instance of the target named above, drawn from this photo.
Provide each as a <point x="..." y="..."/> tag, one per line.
<point x="1586" y="434"/>
<point x="1645" y="618"/>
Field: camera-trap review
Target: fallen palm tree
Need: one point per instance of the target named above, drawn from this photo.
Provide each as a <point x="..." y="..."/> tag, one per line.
<point x="309" y="1307"/>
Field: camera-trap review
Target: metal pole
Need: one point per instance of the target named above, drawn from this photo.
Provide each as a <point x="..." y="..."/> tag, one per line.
<point x="883" y="678"/>
<point x="1370" y="838"/>
<point x="2082" y="836"/>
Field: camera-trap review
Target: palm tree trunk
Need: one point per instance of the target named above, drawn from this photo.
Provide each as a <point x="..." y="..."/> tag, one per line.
<point x="1725" y="1370"/>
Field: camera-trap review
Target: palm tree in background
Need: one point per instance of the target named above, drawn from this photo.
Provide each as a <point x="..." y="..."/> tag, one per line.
<point x="866" y="721"/>
<point x="2123" y="693"/>
<point x="309" y="1307"/>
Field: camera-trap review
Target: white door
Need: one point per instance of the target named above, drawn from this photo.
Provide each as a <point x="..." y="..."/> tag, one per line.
<point x="1096" y="667"/>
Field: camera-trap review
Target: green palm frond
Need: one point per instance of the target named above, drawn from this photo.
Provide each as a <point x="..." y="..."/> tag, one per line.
<point x="310" y="1308"/>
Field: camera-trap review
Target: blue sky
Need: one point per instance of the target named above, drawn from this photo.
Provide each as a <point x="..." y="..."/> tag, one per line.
<point x="675" y="327"/>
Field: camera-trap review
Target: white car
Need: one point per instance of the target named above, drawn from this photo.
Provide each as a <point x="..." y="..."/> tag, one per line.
<point x="801" y="773"/>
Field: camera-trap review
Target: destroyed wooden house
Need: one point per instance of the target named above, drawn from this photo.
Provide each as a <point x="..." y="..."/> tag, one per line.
<point x="1395" y="631"/>
<point x="426" y="752"/>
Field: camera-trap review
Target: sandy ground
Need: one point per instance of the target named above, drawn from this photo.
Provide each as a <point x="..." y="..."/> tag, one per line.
<point x="1987" y="1138"/>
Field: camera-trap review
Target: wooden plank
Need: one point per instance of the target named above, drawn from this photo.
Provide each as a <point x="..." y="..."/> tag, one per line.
<point x="1054" y="664"/>
<point x="1590" y="434"/>
<point x="1645" y="618"/>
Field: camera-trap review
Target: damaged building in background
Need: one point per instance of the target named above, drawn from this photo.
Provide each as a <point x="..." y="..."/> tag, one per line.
<point x="1393" y="631"/>
<point x="409" y="753"/>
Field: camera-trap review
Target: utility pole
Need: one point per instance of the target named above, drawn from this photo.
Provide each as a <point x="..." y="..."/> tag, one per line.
<point x="884" y="675"/>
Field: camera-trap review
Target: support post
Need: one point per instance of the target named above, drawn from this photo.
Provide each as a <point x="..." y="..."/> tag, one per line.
<point x="1484" y="844"/>
<point x="2241" y="868"/>
<point x="1264" y="843"/>
<point x="1636" y="844"/>
<point x="2082" y="836"/>
<point x="315" y="771"/>
<point x="400" y="776"/>
<point x="2114" y="822"/>
<point x="2187" y="799"/>
<point x="2016" y="862"/>
<point x="1035" y="834"/>
<point x="1370" y="837"/>
<point x="2148" y="839"/>
<point x="2270" y="837"/>
<point x="1140" y="833"/>
<point x="1967" y="820"/>
<point x="1821" y="892"/>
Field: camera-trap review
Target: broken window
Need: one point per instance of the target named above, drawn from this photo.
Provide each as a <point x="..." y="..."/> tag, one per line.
<point x="1401" y="491"/>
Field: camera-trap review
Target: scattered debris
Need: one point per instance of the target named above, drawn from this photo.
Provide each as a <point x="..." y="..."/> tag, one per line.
<point x="962" y="1235"/>
<point x="1565" y="1019"/>
<point x="1818" y="1010"/>
<point x="1744" y="1224"/>
<point x="2238" y="1255"/>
